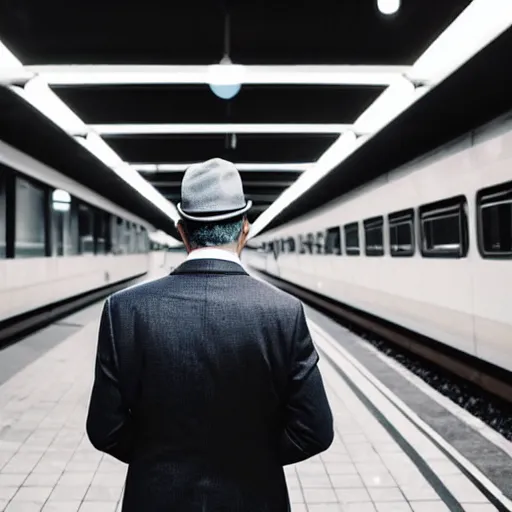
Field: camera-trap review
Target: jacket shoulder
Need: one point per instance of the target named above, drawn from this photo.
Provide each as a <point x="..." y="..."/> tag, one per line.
<point x="259" y="291"/>
<point x="139" y="290"/>
<point x="274" y="295"/>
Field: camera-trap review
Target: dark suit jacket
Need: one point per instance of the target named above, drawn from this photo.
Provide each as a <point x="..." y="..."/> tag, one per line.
<point x="206" y="384"/>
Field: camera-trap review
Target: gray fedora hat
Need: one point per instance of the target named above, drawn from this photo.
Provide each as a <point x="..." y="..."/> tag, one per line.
<point x="212" y="191"/>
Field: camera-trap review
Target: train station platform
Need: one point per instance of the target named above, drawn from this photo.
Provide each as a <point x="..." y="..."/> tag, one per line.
<point x="384" y="457"/>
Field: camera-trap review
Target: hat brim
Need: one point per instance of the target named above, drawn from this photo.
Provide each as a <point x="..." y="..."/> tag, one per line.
<point x="212" y="218"/>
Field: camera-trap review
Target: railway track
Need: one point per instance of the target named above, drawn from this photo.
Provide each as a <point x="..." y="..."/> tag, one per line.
<point x="485" y="376"/>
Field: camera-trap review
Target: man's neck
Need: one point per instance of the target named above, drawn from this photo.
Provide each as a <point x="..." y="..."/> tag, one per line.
<point x="220" y="252"/>
<point x="227" y="248"/>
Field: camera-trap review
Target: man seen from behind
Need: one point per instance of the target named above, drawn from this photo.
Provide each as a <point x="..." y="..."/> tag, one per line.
<point x="206" y="381"/>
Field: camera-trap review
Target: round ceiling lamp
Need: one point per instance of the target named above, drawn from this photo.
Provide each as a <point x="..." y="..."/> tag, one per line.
<point x="225" y="79"/>
<point x="388" y="7"/>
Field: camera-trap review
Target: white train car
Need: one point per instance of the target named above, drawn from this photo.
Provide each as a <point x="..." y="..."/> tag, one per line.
<point x="59" y="239"/>
<point x="427" y="246"/>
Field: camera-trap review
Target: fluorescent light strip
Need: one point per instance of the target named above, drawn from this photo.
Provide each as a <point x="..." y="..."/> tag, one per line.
<point x="145" y="188"/>
<point x="479" y="24"/>
<point x="146" y="129"/>
<point x="39" y="95"/>
<point x="394" y="100"/>
<point x="7" y="58"/>
<point x="337" y="152"/>
<point x="137" y="74"/>
<point x="99" y="148"/>
<point x="486" y="18"/>
<point x="256" y="167"/>
<point x="11" y="69"/>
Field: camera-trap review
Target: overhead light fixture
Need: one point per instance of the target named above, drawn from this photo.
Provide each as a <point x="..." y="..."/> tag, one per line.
<point x="37" y="92"/>
<point x="225" y="79"/>
<point x="487" y="18"/>
<point x="335" y="154"/>
<point x="150" y="129"/>
<point x="40" y="96"/>
<point x="394" y="100"/>
<point x="81" y="74"/>
<point x="256" y="167"/>
<point x="388" y="7"/>
<point x="100" y="149"/>
<point x="7" y="59"/>
<point x="133" y="178"/>
<point x="481" y="22"/>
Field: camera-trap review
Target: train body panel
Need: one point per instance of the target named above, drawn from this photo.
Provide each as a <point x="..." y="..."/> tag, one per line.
<point x="27" y="285"/>
<point x="457" y="293"/>
<point x="59" y="239"/>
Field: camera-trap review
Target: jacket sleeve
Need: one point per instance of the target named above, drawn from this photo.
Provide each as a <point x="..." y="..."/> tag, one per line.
<point x="109" y="423"/>
<point x="308" y="428"/>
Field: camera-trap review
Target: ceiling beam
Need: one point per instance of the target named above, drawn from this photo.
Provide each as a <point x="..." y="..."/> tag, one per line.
<point x="179" y="128"/>
<point x="144" y="74"/>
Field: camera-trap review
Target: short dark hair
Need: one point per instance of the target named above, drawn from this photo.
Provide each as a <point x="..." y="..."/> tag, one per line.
<point x="201" y="234"/>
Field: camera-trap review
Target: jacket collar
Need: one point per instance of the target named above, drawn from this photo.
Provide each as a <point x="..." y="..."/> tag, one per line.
<point x="213" y="253"/>
<point x="210" y="266"/>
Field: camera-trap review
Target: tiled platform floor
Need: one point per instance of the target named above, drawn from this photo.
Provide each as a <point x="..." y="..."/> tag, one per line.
<point x="47" y="463"/>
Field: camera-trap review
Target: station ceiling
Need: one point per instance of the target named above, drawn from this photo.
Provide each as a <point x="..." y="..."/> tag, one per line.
<point x="263" y="33"/>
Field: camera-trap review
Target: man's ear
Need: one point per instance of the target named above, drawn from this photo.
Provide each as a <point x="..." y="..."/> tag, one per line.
<point x="242" y="239"/>
<point x="246" y="227"/>
<point x="184" y="237"/>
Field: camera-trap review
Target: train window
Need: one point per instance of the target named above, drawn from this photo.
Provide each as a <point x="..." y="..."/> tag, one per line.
<point x="333" y="241"/>
<point x="64" y="234"/>
<point x="277" y="248"/>
<point x="494" y="206"/>
<point x="373" y="236"/>
<point x="444" y="230"/>
<point x="310" y="243"/>
<point x="86" y="229"/>
<point x="72" y="241"/>
<point x="108" y="233"/>
<point x="3" y="213"/>
<point x="302" y="244"/>
<point x="273" y="248"/>
<point x="133" y="237"/>
<point x="127" y="237"/>
<point x="319" y="242"/>
<point x="145" y="238"/>
<point x="401" y="233"/>
<point x="101" y="231"/>
<point x="352" y="239"/>
<point x="141" y="248"/>
<point x="291" y="244"/>
<point x="30" y="220"/>
<point x="115" y="233"/>
<point x="282" y="243"/>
